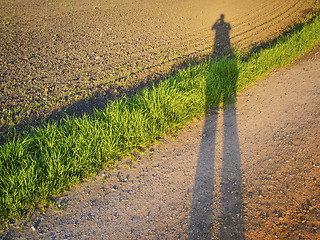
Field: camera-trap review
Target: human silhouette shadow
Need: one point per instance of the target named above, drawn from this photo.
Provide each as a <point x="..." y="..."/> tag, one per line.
<point x="218" y="214"/>
<point x="222" y="46"/>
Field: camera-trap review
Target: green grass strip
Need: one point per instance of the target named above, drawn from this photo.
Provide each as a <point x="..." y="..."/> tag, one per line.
<point x="55" y="157"/>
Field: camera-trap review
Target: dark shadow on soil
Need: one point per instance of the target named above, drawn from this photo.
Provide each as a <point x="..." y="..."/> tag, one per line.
<point x="231" y="207"/>
<point x="201" y="215"/>
<point x="221" y="46"/>
<point x="216" y="214"/>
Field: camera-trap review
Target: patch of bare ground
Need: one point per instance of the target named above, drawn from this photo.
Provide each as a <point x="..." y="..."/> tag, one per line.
<point x="69" y="57"/>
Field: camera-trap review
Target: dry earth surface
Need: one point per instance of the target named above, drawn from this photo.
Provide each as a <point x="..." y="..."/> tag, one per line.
<point x="62" y="57"/>
<point x="244" y="171"/>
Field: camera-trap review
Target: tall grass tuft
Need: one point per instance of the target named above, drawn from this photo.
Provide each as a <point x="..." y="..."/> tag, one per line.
<point x="56" y="156"/>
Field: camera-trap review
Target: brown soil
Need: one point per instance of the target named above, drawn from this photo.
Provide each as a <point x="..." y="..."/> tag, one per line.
<point x="244" y="171"/>
<point x="62" y="57"/>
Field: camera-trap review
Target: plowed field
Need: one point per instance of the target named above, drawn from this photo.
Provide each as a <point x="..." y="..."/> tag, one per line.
<point x="69" y="56"/>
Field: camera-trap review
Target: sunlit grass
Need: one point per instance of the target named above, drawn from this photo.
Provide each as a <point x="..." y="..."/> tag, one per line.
<point x="56" y="156"/>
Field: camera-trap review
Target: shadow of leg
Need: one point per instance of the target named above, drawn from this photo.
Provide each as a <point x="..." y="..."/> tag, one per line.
<point x="231" y="209"/>
<point x="201" y="216"/>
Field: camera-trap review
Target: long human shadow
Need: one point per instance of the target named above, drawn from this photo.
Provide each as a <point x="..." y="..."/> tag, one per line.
<point x="219" y="214"/>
